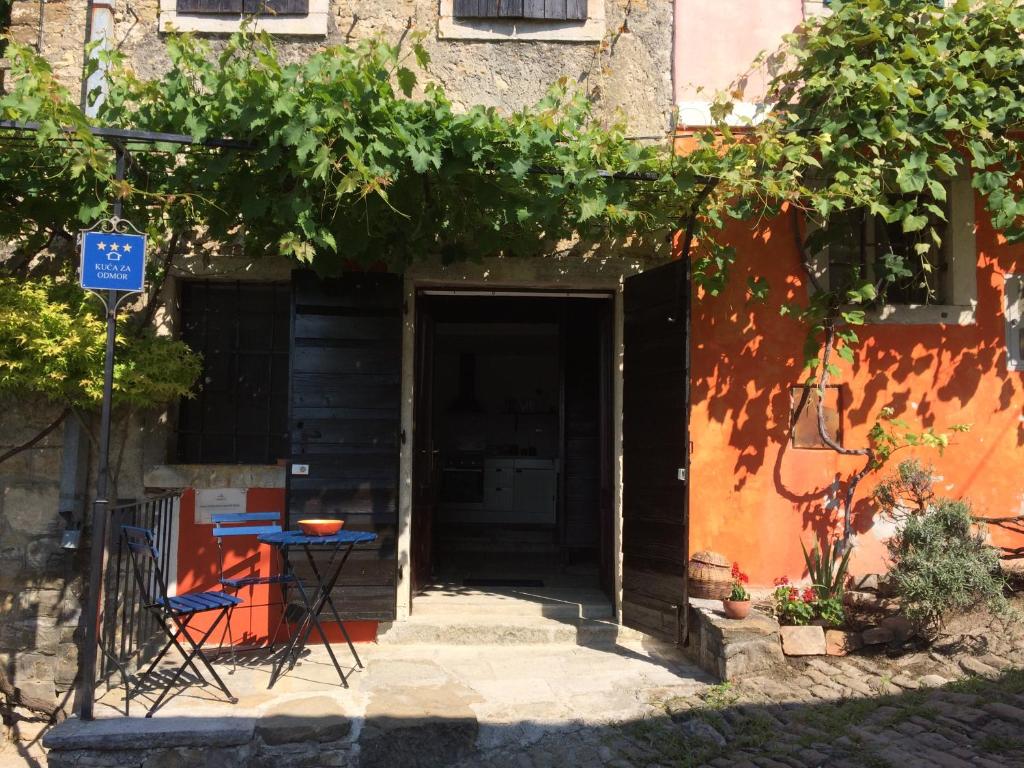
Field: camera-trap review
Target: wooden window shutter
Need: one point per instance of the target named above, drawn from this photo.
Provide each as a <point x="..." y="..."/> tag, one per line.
<point x="209" y="6"/>
<point x="277" y="7"/>
<point x="539" y="10"/>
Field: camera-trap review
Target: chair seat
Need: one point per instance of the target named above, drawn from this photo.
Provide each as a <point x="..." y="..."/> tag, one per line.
<point x="197" y="602"/>
<point x="247" y="581"/>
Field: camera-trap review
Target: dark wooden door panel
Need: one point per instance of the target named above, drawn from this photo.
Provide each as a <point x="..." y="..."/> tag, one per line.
<point x="655" y="446"/>
<point x="344" y="423"/>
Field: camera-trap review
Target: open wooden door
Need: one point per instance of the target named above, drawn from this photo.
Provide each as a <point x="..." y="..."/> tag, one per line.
<point x="344" y="419"/>
<point x="424" y="471"/>
<point x="655" y="448"/>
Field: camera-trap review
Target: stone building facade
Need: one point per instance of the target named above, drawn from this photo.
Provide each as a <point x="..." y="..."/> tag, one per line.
<point x="621" y="54"/>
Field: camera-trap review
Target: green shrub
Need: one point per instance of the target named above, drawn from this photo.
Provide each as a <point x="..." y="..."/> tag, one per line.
<point x="942" y="564"/>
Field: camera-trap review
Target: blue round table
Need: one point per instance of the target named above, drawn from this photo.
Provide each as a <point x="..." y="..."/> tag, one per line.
<point x="340" y="546"/>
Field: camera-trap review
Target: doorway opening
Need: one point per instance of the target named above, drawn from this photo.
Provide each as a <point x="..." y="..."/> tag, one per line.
<point x="513" y="443"/>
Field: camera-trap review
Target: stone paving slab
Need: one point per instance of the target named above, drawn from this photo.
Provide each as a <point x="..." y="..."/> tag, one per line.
<point x="635" y="705"/>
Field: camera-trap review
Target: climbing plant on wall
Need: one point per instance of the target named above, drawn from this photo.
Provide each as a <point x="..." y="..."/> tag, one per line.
<point x="875" y="107"/>
<point x="348" y="157"/>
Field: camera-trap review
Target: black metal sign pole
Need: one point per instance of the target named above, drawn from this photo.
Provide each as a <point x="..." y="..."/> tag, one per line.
<point x="101" y="505"/>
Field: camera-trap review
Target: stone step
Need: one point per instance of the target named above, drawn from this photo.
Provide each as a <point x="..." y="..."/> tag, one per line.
<point x="501" y="631"/>
<point x="467" y="604"/>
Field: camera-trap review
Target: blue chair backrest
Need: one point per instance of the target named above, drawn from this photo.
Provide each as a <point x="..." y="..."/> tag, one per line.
<point x="145" y="557"/>
<point x="140" y="541"/>
<point x="246" y="524"/>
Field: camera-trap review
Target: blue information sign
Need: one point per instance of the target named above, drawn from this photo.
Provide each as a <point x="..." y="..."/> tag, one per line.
<point x="113" y="262"/>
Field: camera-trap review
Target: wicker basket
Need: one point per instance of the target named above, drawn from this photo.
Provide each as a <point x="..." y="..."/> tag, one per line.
<point x="710" y="576"/>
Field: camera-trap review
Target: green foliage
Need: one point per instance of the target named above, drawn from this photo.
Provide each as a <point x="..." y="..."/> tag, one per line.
<point x="890" y="434"/>
<point x="353" y="158"/>
<point x="910" y="489"/>
<point x="941" y="564"/>
<point x="830" y="610"/>
<point x="800" y="607"/>
<point x="827" y="569"/>
<point x="878" y="104"/>
<point x="793" y="606"/>
<point x="53" y="340"/>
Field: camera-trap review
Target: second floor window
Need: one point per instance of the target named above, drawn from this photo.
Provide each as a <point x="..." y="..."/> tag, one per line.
<point x="905" y="267"/>
<point x="257" y="7"/>
<point x="538" y="10"/>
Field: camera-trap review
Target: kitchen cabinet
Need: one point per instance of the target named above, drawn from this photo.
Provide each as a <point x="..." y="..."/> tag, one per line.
<point x="534" y="491"/>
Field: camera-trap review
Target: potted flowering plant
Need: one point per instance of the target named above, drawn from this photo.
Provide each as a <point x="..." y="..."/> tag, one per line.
<point x="737" y="605"/>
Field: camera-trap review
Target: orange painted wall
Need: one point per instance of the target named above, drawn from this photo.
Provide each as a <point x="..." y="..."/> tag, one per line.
<point x="754" y="497"/>
<point x="257" y="618"/>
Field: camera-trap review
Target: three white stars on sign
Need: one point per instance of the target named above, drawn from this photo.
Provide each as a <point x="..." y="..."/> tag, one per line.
<point x="126" y="248"/>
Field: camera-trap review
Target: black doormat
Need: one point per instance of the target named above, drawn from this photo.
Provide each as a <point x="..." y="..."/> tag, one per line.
<point x="502" y="583"/>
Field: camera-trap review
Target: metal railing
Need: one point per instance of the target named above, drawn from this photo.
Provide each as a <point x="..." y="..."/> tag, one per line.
<point x="128" y="632"/>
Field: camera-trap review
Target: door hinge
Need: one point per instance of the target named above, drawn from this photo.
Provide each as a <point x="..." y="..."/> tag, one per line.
<point x="681" y="474"/>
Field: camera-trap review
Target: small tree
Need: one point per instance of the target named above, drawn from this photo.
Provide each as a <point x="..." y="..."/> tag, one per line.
<point x="941" y="562"/>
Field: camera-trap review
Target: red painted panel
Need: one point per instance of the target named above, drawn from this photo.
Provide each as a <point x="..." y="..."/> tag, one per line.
<point x="254" y="620"/>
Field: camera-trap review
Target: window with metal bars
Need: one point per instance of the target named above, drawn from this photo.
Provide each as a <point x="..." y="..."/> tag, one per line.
<point x="240" y="409"/>
<point x="537" y="10"/>
<point x="906" y="268"/>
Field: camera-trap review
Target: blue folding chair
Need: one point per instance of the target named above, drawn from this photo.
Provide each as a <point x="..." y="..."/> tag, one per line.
<point x="233" y="524"/>
<point x="173" y="612"/>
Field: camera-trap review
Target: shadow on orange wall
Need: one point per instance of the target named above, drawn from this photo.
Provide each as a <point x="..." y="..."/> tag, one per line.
<point x="754" y="496"/>
<point x="256" y="619"/>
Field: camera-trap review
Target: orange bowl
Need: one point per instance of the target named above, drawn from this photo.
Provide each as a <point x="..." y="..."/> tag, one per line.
<point x="320" y="527"/>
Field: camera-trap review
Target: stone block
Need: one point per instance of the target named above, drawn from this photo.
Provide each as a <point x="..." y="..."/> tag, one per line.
<point x="840" y="643"/>
<point x="12" y="567"/>
<point x="32" y="509"/>
<point x="44" y="554"/>
<point x="67" y="665"/>
<point x="867" y="583"/>
<point x="40" y="602"/>
<point x="730" y="649"/>
<point x="133" y="733"/>
<point x="867" y="601"/>
<point x="313" y="719"/>
<point x="901" y="628"/>
<point x="803" y="641"/>
<point x="877" y="636"/>
<point x="40" y="634"/>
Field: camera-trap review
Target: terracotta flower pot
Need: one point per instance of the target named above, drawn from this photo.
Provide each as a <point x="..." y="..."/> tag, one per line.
<point x="736" y="609"/>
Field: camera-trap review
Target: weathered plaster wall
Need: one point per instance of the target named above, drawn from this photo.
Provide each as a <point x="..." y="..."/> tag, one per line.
<point x="40" y="584"/>
<point x="630" y="70"/>
<point x="754" y="497"/>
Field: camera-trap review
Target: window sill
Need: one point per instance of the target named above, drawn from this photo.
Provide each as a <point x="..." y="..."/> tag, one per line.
<point x="495" y="30"/>
<point x="313" y="24"/>
<point x="922" y="314"/>
<point x="214" y="476"/>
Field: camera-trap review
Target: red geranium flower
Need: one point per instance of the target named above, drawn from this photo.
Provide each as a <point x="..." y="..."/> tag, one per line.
<point x="808" y="595"/>
<point x="794" y="593"/>
<point x="782" y="581"/>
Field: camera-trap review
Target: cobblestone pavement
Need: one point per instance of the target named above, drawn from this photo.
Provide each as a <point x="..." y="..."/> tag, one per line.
<point x="959" y="703"/>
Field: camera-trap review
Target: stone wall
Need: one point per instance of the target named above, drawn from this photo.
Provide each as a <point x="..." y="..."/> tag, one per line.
<point x="629" y="70"/>
<point x="40" y="583"/>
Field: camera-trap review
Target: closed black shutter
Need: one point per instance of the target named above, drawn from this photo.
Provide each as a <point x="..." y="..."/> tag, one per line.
<point x="277" y="7"/>
<point x="540" y="10"/>
<point x="260" y="7"/>
<point x="345" y="421"/>
<point x="209" y="6"/>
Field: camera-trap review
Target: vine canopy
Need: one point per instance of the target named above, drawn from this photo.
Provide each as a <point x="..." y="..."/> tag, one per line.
<point x="351" y="159"/>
